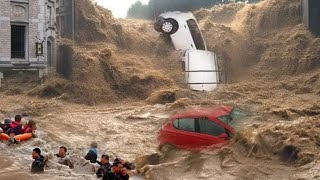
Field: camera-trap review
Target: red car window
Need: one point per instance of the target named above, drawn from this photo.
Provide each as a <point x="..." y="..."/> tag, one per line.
<point x="185" y="124"/>
<point x="199" y="125"/>
<point x="209" y="127"/>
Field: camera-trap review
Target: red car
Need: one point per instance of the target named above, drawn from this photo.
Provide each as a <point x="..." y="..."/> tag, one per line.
<point x="199" y="128"/>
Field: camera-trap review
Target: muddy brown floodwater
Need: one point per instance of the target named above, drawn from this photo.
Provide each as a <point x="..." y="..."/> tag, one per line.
<point x="126" y="131"/>
<point x="129" y="130"/>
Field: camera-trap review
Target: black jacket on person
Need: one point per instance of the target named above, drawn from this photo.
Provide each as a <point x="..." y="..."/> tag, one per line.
<point x="103" y="169"/>
<point x="114" y="176"/>
<point x="126" y="177"/>
<point x="111" y="176"/>
<point x="38" y="165"/>
<point x="92" y="156"/>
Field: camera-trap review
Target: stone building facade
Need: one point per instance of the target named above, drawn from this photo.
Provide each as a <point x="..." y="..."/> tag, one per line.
<point x="27" y="34"/>
<point x="65" y="18"/>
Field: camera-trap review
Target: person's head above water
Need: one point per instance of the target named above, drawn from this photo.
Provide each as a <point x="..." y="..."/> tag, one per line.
<point x="62" y="151"/>
<point x="94" y="145"/>
<point x="104" y="159"/>
<point x="17" y="118"/>
<point x="119" y="160"/>
<point x="32" y="123"/>
<point x="36" y="153"/>
<point x="117" y="167"/>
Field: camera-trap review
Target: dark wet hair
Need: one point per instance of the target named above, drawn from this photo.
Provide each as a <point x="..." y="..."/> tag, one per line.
<point x="32" y="123"/>
<point x="94" y="145"/>
<point x="7" y="121"/>
<point x="105" y="156"/>
<point x="17" y="118"/>
<point x="118" y="160"/>
<point x="65" y="149"/>
<point x="37" y="150"/>
<point x="116" y="163"/>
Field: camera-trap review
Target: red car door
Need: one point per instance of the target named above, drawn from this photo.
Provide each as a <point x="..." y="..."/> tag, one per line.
<point x="211" y="133"/>
<point x="185" y="135"/>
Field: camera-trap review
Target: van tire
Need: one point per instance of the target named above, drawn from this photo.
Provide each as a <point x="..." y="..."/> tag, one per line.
<point x="169" y="26"/>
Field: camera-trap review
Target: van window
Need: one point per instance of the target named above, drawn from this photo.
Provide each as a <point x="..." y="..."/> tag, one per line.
<point x="210" y="127"/>
<point x="185" y="124"/>
<point x="196" y="34"/>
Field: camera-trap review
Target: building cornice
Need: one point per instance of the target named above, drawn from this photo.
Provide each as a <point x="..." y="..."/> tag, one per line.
<point x="20" y="1"/>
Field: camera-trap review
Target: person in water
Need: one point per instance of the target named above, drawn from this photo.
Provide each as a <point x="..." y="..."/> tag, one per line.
<point x="126" y="164"/>
<point x="38" y="163"/>
<point x="30" y="127"/>
<point x="15" y="128"/>
<point x="117" y="172"/>
<point x="5" y="126"/>
<point x="64" y="159"/>
<point x="92" y="154"/>
<point x="104" y="167"/>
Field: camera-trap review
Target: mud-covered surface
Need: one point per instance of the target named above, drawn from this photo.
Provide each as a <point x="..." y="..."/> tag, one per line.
<point x="129" y="130"/>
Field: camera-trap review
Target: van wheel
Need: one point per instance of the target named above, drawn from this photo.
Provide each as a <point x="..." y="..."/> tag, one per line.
<point x="169" y="26"/>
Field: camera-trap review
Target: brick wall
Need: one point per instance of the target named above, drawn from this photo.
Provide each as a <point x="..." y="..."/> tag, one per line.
<point x="5" y="8"/>
<point x="5" y="30"/>
<point x="33" y="34"/>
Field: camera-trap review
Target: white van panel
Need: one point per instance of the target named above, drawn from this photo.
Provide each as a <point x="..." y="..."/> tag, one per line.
<point x="178" y="15"/>
<point x="201" y="70"/>
<point x="182" y="39"/>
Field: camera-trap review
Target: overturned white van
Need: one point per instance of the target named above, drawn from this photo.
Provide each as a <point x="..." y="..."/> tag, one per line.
<point x="183" y="29"/>
<point x="201" y="70"/>
<point x="199" y="65"/>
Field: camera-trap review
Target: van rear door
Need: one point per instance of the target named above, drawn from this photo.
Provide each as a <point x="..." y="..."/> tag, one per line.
<point x="201" y="70"/>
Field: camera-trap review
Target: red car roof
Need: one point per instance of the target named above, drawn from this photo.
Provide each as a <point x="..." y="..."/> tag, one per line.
<point x="211" y="112"/>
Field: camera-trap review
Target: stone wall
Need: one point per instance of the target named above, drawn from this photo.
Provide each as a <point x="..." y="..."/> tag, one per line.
<point x="5" y="33"/>
<point x="34" y="16"/>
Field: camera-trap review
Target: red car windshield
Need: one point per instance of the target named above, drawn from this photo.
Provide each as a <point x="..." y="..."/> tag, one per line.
<point x="233" y="116"/>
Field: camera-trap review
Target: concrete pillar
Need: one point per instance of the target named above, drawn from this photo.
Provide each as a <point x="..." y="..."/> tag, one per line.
<point x="42" y="73"/>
